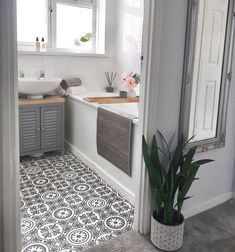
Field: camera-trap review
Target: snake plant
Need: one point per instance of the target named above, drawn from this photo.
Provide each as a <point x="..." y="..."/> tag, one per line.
<point x="171" y="175"/>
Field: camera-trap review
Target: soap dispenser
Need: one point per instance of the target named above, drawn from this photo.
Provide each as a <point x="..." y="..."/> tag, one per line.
<point x="37" y="45"/>
<point x="43" y="45"/>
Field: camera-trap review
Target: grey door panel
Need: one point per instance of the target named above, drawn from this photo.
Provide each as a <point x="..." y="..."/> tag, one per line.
<point x="30" y="129"/>
<point x="51" y="119"/>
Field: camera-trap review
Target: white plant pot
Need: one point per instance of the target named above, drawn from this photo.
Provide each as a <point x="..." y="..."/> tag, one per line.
<point x="168" y="238"/>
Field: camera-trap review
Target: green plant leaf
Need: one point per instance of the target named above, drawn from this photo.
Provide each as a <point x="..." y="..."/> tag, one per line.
<point x="87" y="37"/>
<point x="188" y="160"/>
<point x="203" y="161"/>
<point x="186" y="184"/>
<point x="136" y="77"/>
<point x="166" y="144"/>
<point x="178" y="158"/>
<point x="189" y="197"/>
<point x="84" y="39"/>
<point x="155" y="160"/>
<point x="154" y="172"/>
<point x="154" y="157"/>
<point x="170" y="175"/>
<point x="188" y="141"/>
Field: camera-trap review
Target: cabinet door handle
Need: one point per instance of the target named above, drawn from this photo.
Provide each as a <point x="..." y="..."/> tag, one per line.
<point x="38" y="129"/>
<point x="43" y="129"/>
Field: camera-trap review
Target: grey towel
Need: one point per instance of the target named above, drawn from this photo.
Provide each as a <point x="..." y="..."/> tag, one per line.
<point x="71" y="82"/>
<point x="114" y="136"/>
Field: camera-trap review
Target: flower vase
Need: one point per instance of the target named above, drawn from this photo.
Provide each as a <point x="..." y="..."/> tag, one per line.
<point x="131" y="93"/>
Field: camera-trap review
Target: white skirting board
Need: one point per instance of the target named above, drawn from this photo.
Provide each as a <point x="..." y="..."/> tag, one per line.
<point x="204" y="206"/>
<point x="108" y="178"/>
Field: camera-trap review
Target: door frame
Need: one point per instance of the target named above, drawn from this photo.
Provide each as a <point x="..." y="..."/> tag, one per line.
<point x="9" y="131"/>
<point x="10" y="214"/>
<point x="151" y="45"/>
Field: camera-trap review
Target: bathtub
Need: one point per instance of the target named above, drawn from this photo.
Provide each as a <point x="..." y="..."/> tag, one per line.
<point x="80" y="135"/>
<point x="128" y="108"/>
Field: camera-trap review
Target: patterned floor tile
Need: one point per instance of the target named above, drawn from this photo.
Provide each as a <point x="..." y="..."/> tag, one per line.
<point x="67" y="207"/>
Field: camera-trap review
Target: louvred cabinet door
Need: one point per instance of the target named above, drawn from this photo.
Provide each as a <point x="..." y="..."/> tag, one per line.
<point x="29" y="123"/>
<point x="51" y="127"/>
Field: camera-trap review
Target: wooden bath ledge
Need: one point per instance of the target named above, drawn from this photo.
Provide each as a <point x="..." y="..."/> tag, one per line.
<point x="46" y="100"/>
<point x="110" y="100"/>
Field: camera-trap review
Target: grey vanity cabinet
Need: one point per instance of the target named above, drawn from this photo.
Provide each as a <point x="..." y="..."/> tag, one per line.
<point x="41" y="128"/>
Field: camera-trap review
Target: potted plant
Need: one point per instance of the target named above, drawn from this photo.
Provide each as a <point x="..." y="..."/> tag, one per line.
<point x="110" y="77"/>
<point x="171" y="175"/>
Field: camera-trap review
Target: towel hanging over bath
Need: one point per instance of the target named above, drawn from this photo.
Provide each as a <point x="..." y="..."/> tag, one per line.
<point x="114" y="136"/>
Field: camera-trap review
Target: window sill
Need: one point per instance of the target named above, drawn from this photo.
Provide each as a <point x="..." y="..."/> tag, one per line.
<point x="61" y="53"/>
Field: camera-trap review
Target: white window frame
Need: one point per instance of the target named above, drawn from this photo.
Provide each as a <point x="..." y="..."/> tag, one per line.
<point x="51" y="26"/>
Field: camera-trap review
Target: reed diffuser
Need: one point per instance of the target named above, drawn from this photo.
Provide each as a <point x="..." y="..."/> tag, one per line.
<point x="110" y="77"/>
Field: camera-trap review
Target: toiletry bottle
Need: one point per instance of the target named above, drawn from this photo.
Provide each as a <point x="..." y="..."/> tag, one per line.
<point x="43" y="45"/>
<point x="37" y="45"/>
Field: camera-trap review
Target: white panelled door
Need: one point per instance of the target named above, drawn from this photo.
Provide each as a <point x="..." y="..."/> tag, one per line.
<point x="209" y="54"/>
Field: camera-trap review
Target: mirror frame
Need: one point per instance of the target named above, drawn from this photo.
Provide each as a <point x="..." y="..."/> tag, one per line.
<point x="190" y="43"/>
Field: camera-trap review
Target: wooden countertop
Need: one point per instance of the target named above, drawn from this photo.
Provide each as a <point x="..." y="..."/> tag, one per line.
<point x="46" y="100"/>
<point x="109" y="100"/>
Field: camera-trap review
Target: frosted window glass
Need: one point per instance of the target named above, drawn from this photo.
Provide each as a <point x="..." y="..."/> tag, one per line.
<point x="72" y="23"/>
<point x="31" y="20"/>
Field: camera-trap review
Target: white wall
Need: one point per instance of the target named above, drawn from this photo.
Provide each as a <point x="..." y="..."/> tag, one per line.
<point x="128" y="37"/>
<point x="89" y="69"/>
<point x="215" y="182"/>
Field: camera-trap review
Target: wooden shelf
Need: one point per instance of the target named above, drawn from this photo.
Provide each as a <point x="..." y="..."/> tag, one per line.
<point x="46" y="100"/>
<point x="110" y="100"/>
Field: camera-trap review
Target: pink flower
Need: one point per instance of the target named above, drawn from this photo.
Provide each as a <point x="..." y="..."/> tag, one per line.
<point x="125" y="75"/>
<point x="130" y="83"/>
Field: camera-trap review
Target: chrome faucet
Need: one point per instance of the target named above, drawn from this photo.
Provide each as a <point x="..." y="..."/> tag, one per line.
<point x="21" y="74"/>
<point x="41" y="75"/>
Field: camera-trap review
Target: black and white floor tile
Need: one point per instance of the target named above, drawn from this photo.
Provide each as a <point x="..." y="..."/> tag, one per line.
<point x="67" y="207"/>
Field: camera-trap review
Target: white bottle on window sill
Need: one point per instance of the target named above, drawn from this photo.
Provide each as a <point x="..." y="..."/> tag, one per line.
<point x="43" y="46"/>
<point x="37" y="45"/>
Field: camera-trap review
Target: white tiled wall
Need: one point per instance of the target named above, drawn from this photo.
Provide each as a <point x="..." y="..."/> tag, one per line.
<point x="89" y="69"/>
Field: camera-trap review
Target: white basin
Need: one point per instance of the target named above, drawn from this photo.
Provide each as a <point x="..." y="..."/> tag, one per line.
<point x="35" y="88"/>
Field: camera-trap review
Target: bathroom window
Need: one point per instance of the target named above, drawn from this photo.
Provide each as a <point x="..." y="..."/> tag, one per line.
<point x="66" y="25"/>
<point x="32" y="20"/>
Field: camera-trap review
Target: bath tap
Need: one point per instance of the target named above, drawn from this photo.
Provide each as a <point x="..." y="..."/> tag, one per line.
<point x="21" y="74"/>
<point x="41" y="75"/>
